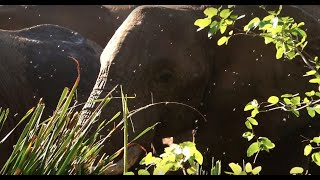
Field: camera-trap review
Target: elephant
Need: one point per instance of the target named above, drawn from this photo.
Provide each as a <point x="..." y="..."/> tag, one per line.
<point x="157" y="55"/>
<point x="95" y="22"/>
<point x="35" y="64"/>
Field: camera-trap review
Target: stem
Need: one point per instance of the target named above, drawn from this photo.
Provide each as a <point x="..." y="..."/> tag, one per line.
<point x="256" y="156"/>
<point x="305" y="60"/>
<point x="125" y="131"/>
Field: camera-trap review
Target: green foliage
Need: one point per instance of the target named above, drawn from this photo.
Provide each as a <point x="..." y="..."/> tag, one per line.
<point x="296" y="170"/>
<point x="216" y="168"/>
<point x="174" y="158"/>
<point x="63" y="143"/>
<point x="289" y="40"/>
<point x="245" y="170"/>
<point x="60" y="144"/>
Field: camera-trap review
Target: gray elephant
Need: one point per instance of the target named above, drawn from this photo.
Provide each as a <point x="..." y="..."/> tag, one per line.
<point x="95" y="22"/>
<point x="34" y="64"/>
<point x="158" y="56"/>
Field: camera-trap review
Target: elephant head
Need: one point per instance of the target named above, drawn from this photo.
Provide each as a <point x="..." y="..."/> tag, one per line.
<point x="158" y="56"/>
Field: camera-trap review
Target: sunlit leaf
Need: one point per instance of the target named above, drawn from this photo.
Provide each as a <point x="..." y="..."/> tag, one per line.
<point x="296" y="170"/>
<point x="202" y="23"/>
<point x="236" y="168"/>
<point x="225" y="13"/>
<point x="256" y="170"/>
<point x="252" y="121"/>
<point x="210" y="12"/>
<point x="311" y="112"/>
<point x="254" y="112"/>
<point x="307" y="150"/>
<point x="222" y="40"/>
<point x="252" y="149"/>
<point x="248" y="125"/>
<point x="143" y="172"/>
<point x="273" y="99"/>
<point x="248" y="167"/>
<point x="316" y="140"/>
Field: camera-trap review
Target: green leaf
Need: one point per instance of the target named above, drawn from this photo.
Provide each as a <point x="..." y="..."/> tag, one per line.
<point x="236" y="168"/>
<point x="317" y="108"/>
<point x="191" y="170"/>
<point x="301" y="33"/>
<point x="128" y="173"/>
<point x="268" y="18"/>
<point x="300" y="24"/>
<point x="296" y="100"/>
<point x="256" y="170"/>
<point x="279" y="54"/>
<point x="210" y="12"/>
<point x="312" y="72"/>
<point x="248" y="125"/>
<point x="311" y="93"/>
<point x="160" y="170"/>
<point x="229" y="21"/>
<point x="214" y="27"/>
<point x="286" y="95"/>
<point x="248" y="135"/>
<point x="287" y="101"/>
<point x="273" y="100"/>
<point x="198" y="157"/>
<point x="252" y="121"/>
<point x="249" y="107"/>
<point x="316" y="140"/>
<point x="231" y="6"/>
<point x="148" y="159"/>
<point x="143" y="132"/>
<point x="202" y="23"/>
<point x="248" y="167"/>
<point x="280" y="8"/>
<point x="252" y="149"/>
<point x="315" y="80"/>
<point x="253" y="23"/>
<point x="316" y="158"/>
<point x="311" y="112"/>
<point x="243" y="173"/>
<point x="233" y="16"/>
<point x="265" y="141"/>
<point x="296" y="170"/>
<point x="223" y="28"/>
<point x="267" y="40"/>
<point x="225" y="13"/>
<point x="296" y="113"/>
<point x="254" y="112"/>
<point x="231" y="32"/>
<point x="306" y="100"/>
<point x="143" y="172"/>
<point x="222" y="40"/>
<point x="307" y="150"/>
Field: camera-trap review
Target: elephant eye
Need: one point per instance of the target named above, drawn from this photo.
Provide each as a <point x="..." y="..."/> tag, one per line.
<point x="165" y="76"/>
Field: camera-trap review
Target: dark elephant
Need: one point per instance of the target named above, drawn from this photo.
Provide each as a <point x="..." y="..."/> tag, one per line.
<point x="34" y="64"/>
<point x="157" y="55"/>
<point x="95" y="22"/>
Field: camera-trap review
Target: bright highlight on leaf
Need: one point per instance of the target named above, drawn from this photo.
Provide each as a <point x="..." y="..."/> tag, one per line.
<point x="273" y="100"/>
<point x="296" y="170"/>
<point x="307" y="149"/>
